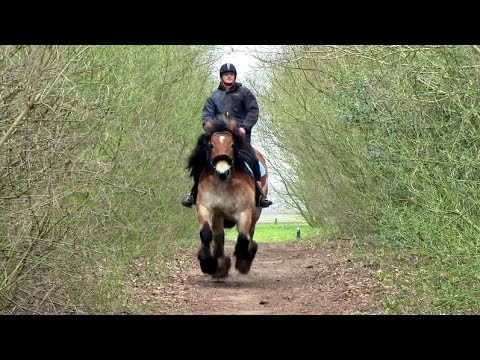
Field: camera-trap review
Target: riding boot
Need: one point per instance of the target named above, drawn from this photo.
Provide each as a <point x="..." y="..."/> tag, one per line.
<point x="190" y="199"/>
<point x="261" y="199"/>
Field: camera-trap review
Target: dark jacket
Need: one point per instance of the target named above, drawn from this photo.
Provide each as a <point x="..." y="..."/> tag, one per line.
<point x="239" y="101"/>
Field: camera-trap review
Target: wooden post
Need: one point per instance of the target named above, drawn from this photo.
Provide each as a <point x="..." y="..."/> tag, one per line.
<point x="298" y="233"/>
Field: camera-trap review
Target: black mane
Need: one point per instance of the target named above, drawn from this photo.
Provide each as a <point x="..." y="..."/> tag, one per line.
<point x="199" y="158"/>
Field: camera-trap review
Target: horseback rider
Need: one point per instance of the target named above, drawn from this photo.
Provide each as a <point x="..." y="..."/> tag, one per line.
<point x="237" y="100"/>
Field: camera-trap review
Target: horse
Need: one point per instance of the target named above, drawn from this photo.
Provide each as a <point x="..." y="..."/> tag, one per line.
<point x="226" y="197"/>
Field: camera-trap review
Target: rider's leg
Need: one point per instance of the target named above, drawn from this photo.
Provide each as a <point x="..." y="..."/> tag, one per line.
<point x="191" y="198"/>
<point x="260" y="198"/>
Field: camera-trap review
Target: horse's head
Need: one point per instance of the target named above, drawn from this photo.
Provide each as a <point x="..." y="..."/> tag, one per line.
<point x="222" y="149"/>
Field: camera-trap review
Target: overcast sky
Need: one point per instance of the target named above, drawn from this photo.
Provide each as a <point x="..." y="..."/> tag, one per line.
<point x="238" y="55"/>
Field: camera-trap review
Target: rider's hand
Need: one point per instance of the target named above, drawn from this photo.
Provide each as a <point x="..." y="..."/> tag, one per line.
<point x="242" y="131"/>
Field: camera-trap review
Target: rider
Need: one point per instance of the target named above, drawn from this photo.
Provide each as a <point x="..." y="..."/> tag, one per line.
<point x="241" y="104"/>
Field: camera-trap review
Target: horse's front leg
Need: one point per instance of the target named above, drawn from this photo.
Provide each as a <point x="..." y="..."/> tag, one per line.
<point x="246" y="248"/>
<point x="208" y="263"/>
<point x="218" y="248"/>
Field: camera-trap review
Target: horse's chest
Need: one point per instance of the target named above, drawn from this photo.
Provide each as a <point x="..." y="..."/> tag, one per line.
<point x="221" y="198"/>
<point x="223" y="202"/>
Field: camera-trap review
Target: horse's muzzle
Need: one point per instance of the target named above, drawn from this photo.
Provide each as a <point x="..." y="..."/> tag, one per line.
<point x="223" y="176"/>
<point x="223" y="170"/>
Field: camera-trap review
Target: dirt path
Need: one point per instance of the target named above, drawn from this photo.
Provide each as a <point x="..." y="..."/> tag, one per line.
<point x="292" y="278"/>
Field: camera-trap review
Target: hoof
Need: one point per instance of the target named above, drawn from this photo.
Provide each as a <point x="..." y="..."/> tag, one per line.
<point x="224" y="264"/>
<point x="209" y="265"/>
<point x="243" y="265"/>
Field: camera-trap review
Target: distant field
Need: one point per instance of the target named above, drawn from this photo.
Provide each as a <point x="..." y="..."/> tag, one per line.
<point x="281" y="219"/>
<point x="270" y="233"/>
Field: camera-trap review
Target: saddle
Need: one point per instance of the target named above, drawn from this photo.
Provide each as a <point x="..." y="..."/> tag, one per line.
<point x="249" y="162"/>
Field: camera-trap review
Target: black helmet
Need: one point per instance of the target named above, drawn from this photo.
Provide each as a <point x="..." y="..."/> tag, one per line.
<point x="227" y="67"/>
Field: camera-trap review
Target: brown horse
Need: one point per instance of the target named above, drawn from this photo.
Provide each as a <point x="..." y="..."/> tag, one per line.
<point x="226" y="197"/>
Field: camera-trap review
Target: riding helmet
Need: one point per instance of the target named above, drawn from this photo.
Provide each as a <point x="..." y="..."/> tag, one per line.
<point x="228" y="67"/>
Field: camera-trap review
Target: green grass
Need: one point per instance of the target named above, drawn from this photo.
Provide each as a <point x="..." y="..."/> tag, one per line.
<point x="271" y="233"/>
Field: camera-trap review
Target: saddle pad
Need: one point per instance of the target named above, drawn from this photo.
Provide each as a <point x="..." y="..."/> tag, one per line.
<point x="262" y="168"/>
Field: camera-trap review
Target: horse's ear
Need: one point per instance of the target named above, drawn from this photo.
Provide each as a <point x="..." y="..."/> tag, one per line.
<point x="232" y="125"/>
<point x="208" y="126"/>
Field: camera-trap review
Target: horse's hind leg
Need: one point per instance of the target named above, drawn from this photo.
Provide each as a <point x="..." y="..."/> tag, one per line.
<point x="246" y="248"/>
